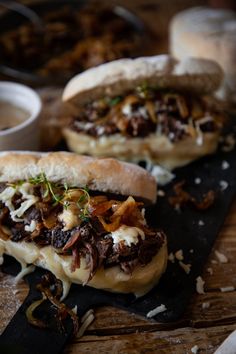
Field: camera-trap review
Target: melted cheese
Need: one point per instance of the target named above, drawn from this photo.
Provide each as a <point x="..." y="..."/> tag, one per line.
<point x="31" y="227"/>
<point x="69" y="218"/>
<point x="26" y="190"/>
<point x="6" y="197"/>
<point x="127" y="234"/>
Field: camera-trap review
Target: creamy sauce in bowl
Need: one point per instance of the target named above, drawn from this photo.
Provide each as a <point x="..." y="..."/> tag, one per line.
<point x="11" y="115"/>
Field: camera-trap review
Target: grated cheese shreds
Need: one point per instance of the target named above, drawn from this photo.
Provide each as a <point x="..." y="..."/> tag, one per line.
<point x="221" y="257"/>
<point x="225" y="165"/>
<point x="185" y="267"/>
<point x="195" y="349"/>
<point x="86" y="321"/>
<point x="179" y="255"/>
<point x="227" y="289"/>
<point x="223" y="185"/>
<point x="200" y="285"/>
<point x="157" y="310"/>
<point x="206" y="305"/>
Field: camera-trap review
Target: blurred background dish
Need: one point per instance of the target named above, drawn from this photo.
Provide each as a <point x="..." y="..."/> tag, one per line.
<point x="20" y="108"/>
<point x="73" y="36"/>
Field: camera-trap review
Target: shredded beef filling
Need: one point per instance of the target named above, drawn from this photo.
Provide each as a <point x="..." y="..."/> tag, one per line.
<point x="147" y="111"/>
<point x="90" y="238"/>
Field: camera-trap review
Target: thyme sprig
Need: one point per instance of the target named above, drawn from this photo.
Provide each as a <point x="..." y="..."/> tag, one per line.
<point x="63" y="197"/>
<point x="49" y="187"/>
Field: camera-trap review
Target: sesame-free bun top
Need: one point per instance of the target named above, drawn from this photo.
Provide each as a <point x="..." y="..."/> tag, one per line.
<point x="162" y="71"/>
<point x="98" y="174"/>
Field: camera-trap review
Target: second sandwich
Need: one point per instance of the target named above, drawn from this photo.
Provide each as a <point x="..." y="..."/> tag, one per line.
<point x="152" y="108"/>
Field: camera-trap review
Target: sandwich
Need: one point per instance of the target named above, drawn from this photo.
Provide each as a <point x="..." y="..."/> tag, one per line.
<point x="82" y="218"/>
<point x="151" y="108"/>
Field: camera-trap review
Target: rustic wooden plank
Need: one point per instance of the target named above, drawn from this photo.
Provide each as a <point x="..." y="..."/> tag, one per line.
<point x="178" y="341"/>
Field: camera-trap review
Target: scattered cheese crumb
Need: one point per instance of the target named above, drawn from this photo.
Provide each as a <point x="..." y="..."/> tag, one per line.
<point x="223" y="185"/>
<point x="197" y="180"/>
<point x="225" y="165"/>
<point x="227" y="289"/>
<point x="194" y="349"/>
<point x="31" y="227"/>
<point x="75" y="309"/>
<point x="221" y="257"/>
<point x="86" y="320"/>
<point x="161" y="175"/>
<point x="213" y="261"/>
<point x="161" y="193"/>
<point x="200" y="285"/>
<point x="171" y="257"/>
<point x="186" y="267"/>
<point x="179" y="255"/>
<point x="155" y="311"/>
<point x="206" y="305"/>
<point x="201" y="223"/>
<point x="210" y="270"/>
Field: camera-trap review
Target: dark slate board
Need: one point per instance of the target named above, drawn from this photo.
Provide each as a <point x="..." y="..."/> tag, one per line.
<point x="175" y="288"/>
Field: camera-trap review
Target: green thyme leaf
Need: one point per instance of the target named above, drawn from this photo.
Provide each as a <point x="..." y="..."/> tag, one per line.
<point x="113" y="101"/>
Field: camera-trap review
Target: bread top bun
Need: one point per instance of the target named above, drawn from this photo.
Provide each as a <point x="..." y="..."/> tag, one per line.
<point x="161" y="71"/>
<point x="98" y="174"/>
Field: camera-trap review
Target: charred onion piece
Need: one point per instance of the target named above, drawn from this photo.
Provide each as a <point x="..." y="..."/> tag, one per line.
<point x="51" y="289"/>
<point x="30" y="317"/>
<point x="182" y="198"/>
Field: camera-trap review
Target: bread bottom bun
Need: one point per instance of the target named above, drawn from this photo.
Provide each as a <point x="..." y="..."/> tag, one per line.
<point x="157" y="149"/>
<point x="112" y="279"/>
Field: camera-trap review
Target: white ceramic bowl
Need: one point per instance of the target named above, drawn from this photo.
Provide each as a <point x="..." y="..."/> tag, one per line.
<point x="24" y="136"/>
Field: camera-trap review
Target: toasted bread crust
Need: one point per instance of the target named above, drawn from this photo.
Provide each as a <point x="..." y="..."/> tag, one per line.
<point x="162" y="71"/>
<point x="100" y="174"/>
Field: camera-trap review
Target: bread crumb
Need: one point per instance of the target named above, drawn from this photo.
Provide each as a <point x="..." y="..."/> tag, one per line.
<point x="191" y="251"/>
<point x="186" y="267"/>
<point x="201" y="223"/>
<point x="221" y="257"/>
<point x="194" y="349"/>
<point x="155" y="311"/>
<point x="227" y="289"/>
<point x="179" y="255"/>
<point x="200" y="285"/>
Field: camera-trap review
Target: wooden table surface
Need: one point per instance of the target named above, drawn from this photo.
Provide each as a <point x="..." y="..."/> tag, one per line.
<point x="116" y="331"/>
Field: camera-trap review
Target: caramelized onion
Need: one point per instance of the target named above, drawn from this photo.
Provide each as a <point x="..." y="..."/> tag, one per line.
<point x="29" y="314"/>
<point x="182" y="198"/>
<point x="151" y="110"/>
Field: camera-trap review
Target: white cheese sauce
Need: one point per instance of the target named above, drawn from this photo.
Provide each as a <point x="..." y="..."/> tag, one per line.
<point x="127" y="234"/>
